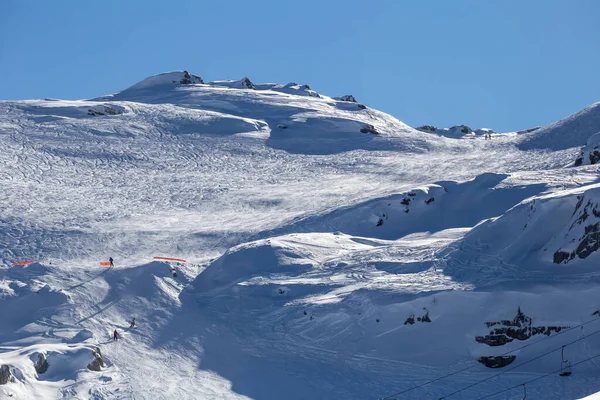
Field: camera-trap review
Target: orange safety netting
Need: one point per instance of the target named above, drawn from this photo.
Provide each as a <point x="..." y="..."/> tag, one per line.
<point x="23" y="262"/>
<point x="105" y="263"/>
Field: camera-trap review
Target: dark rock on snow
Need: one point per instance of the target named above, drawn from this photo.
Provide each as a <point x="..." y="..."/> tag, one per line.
<point x="5" y="375"/>
<point x="496" y="361"/>
<point x="520" y="328"/>
<point x="368" y="128"/>
<point x="190" y="79"/>
<point x="98" y="362"/>
<point x="42" y="363"/>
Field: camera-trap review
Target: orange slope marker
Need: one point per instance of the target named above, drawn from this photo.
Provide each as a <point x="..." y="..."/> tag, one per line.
<point x="170" y="259"/>
<point x="105" y="263"/>
<point x="23" y="262"/>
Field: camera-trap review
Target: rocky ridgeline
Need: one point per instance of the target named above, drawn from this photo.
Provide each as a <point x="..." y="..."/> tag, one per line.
<point x="583" y="236"/>
<point x="503" y="332"/>
<point x="189" y="79"/>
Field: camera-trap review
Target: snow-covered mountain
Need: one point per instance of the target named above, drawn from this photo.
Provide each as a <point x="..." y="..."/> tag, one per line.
<point x="312" y="248"/>
<point x="573" y="130"/>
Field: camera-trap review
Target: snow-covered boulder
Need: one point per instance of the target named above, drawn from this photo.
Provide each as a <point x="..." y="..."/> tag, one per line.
<point x="368" y="128"/>
<point x="590" y="154"/>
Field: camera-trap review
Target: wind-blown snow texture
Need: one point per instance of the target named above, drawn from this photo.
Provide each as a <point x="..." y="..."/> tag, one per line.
<point x="332" y="251"/>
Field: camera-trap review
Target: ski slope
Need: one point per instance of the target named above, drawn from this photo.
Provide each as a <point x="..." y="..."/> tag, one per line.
<point x="322" y="260"/>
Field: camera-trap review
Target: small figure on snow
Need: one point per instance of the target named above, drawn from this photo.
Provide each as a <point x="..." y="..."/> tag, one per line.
<point x="132" y="323"/>
<point x="115" y="335"/>
<point x="111" y="261"/>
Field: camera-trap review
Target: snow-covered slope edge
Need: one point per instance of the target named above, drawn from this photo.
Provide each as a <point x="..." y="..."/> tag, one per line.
<point x="571" y="131"/>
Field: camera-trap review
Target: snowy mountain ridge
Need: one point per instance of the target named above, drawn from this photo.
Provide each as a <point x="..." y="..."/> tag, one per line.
<point x="273" y="241"/>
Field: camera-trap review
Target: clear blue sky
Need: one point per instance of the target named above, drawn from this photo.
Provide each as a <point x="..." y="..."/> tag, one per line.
<point x="503" y="64"/>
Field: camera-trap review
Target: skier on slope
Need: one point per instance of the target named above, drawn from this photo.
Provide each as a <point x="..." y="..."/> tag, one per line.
<point x="115" y="335"/>
<point x="132" y="323"/>
<point x="111" y="261"/>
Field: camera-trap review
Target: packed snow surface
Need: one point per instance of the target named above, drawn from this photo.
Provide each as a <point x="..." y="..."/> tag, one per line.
<point x="327" y="250"/>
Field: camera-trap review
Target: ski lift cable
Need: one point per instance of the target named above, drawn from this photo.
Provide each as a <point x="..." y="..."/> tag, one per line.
<point x="474" y="363"/>
<point x="561" y="348"/>
<point x="536" y="379"/>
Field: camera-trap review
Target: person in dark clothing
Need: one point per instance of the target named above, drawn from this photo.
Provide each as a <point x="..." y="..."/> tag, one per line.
<point x="132" y="323"/>
<point x="115" y="335"/>
<point x="111" y="262"/>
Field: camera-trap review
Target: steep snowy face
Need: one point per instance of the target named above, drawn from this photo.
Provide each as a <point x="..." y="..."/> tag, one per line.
<point x="580" y="238"/>
<point x="590" y="154"/>
<point x="527" y="241"/>
<point x="572" y="131"/>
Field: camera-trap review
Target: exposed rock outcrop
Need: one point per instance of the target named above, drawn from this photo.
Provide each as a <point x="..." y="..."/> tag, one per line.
<point x="590" y="154"/>
<point x="104" y="109"/>
<point x="582" y="238"/>
<point x="98" y="363"/>
<point x="519" y="328"/>
<point x="41" y="365"/>
<point x="411" y="319"/>
<point x="368" y="128"/>
<point x="454" y="131"/>
<point x="190" y="79"/>
<point x="428" y="128"/>
<point x="5" y="374"/>
<point x="247" y="83"/>
<point x="347" y="97"/>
